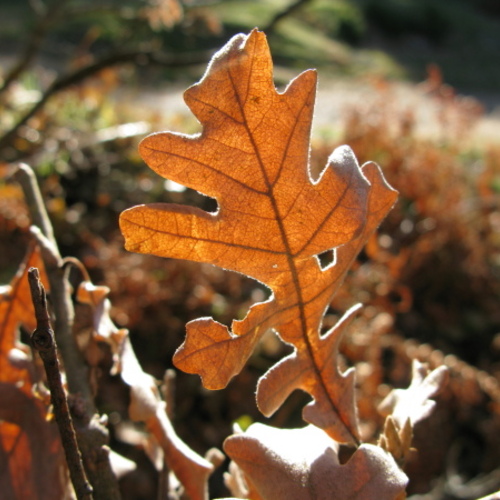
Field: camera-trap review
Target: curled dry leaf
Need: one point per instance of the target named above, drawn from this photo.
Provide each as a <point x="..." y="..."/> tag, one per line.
<point x="104" y="330"/>
<point x="191" y="469"/>
<point x="405" y="407"/>
<point x="303" y="464"/>
<point x="272" y="223"/>
<point x="32" y="463"/>
<point x="146" y="404"/>
<point x="397" y="441"/>
<point x="415" y="403"/>
<point x="235" y="482"/>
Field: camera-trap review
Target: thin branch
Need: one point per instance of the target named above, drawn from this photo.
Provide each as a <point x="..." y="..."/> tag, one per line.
<point x="43" y="341"/>
<point x="25" y="176"/>
<point x="91" y="433"/>
<point x="38" y="33"/>
<point x="76" y="370"/>
<point x="168" y="392"/>
<point x="140" y="57"/>
<point x="282" y="14"/>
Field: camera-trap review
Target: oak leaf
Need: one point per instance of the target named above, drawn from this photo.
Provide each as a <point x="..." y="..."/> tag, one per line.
<point x="103" y="328"/>
<point x="405" y="407"/>
<point x="272" y="222"/>
<point x="303" y="464"/>
<point x="415" y="403"/>
<point x="16" y="309"/>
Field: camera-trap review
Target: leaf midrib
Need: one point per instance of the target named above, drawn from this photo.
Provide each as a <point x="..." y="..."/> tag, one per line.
<point x="290" y="258"/>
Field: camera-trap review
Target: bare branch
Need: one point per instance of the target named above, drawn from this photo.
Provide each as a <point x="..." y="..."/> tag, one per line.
<point x="25" y="176"/>
<point x="140" y="57"/>
<point x="76" y="370"/>
<point x="91" y="432"/>
<point x="43" y="341"/>
<point x="38" y="33"/>
<point x="293" y="7"/>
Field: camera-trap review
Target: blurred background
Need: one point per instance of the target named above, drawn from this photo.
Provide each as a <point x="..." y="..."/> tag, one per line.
<point x="411" y="84"/>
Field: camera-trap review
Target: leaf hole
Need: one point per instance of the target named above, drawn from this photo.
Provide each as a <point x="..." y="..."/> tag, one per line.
<point x="330" y="319"/>
<point x="345" y="453"/>
<point x="326" y="259"/>
<point x="261" y="293"/>
<point x="228" y="295"/>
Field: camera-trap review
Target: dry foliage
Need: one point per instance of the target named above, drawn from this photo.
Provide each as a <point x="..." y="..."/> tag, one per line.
<point x="31" y="457"/>
<point x="296" y="234"/>
<point x="272" y="223"/>
<point x="33" y="464"/>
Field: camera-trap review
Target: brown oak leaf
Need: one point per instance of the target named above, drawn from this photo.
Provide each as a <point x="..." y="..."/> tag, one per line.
<point x="16" y="309"/>
<point x="272" y="222"/>
<point x="104" y="330"/>
<point x="415" y="403"/>
<point x="405" y="407"/>
<point x="303" y="464"/>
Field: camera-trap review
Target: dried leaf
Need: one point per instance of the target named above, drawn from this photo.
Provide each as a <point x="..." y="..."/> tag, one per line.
<point x="16" y="309"/>
<point x="162" y="14"/>
<point x="191" y="469"/>
<point x="121" y="466"/>
<point x="272" y="223"/>
<point x="302" y="464"/>
<point x="32" y="463"/>
<point x="397" y="441"/>
<point x="103" y="327"/>
<point x="145" y="404"/>
<point x="235" y="482"/>
<point x="415" y="403"/>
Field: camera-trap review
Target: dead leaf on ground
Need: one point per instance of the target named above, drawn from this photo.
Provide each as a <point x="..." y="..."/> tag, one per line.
<point x="146" y="404"/>
<point x="272" y="223"/>
<point x="303" y="464"/>
<point x="104" y="329"/>
<point x="191" y="469"/>
<point x="405" y="407"/>
<point x="415" y="403"/>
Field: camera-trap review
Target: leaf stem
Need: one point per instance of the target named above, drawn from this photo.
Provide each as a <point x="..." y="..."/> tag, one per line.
<point x="43" y="341"/>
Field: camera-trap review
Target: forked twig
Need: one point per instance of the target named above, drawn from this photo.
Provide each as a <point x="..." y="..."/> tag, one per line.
<point x="92" y="434"/>
<point x="43" y="341"/>
<point x="76" y="370"/>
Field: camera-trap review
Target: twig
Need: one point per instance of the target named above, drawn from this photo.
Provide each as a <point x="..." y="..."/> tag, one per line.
<point x="168" y="392"/>
<point x="290" y="9"/>
<point x="142" y="57"/>
<point x="43" y="341"/>
<point x="45" y="20"/>
<point x="76" y="370"/>
<point x="25" y="176"/>
<point x="92" y="434"/>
